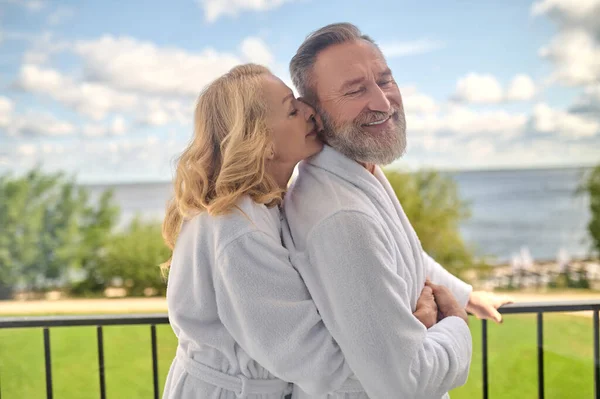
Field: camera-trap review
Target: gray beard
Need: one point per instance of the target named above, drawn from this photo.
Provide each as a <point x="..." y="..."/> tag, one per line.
<point x="361" y="146"/>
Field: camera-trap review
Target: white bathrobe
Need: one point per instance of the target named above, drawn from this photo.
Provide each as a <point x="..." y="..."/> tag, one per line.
<point x="365" y="269"/>
<point x="238" y="306"/>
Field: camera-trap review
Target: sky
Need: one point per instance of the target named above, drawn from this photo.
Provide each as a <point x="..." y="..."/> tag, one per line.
<point x="105" y="91"/>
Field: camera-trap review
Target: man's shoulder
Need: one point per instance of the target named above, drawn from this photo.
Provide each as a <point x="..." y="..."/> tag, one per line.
<point x="316" y="195"/>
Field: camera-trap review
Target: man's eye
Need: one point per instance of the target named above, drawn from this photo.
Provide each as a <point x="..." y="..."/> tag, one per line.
<point x="294" y="112"/>
<point x="354" y="92"/>
<point x="386" y="82"/>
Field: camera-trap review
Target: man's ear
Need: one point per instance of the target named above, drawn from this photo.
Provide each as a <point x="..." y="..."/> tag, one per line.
<point x="270" y="152"/>
<point x="318" y="122"/>
<point x="317" y="117"/>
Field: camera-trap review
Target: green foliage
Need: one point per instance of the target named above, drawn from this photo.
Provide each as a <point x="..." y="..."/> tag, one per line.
<point x="134" y="255"/>
<point x="48" y="228"/>
<point x="591" y="185"/>
<point x="433" y="205"/>
<point x="96" y="227"/>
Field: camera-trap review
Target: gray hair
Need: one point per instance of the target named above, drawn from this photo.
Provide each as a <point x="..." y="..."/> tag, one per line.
<point x="306" y="56"/>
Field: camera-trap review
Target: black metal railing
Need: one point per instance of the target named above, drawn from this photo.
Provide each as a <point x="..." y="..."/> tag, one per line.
<point x="540" y="308"/>
<point x="99" y="321"/>
<point x="155" y="319"/>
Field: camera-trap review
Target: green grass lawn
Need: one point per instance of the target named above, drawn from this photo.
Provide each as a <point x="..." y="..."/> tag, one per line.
<point x="512" y="360"/>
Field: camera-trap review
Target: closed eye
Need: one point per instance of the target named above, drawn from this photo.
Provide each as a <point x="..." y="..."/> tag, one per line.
<point x="354" y="92"/>
<point x="294" y="112"/>
<point x="386" y="82"/>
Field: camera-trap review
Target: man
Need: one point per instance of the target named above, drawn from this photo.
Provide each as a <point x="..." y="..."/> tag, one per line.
<point x="351" y="241"/>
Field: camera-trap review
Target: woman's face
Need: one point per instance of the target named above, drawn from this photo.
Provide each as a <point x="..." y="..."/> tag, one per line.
<point x="291" y="122"/>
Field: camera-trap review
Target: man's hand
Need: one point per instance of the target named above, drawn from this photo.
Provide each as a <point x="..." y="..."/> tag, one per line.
<point x="446" y="302"/>
<point x="484" y="305"/>
<point x="427" y="309"/>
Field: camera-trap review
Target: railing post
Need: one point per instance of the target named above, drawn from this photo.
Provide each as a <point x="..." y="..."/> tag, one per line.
<point x="596" y="356"/>
<point x="540" y="353"/>
<point x="101" y="362"/>
<point x="484" y="355"/>
<point x="154" y="360"/>
<point x="48" y="363"/>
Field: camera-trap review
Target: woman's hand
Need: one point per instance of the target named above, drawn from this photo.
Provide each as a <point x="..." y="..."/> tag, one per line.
<point x="427" y="309"/>
<point x="446" y="302"/>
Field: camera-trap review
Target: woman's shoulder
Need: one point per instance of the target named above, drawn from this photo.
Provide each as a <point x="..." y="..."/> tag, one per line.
<point x="257" y="215"/>
<point x="247" y="216"/>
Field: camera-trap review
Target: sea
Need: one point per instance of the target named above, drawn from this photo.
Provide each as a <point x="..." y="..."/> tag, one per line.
<point x="533" y="211"/>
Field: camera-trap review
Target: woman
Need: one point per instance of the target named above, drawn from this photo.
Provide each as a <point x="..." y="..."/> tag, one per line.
<point x="243" y="317"/>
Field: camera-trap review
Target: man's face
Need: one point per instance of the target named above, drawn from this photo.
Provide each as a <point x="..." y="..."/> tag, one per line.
<point x="360" y="103"/>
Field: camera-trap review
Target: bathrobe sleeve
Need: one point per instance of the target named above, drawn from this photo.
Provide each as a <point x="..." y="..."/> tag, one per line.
<point x="438" y="275"/>
<point x="266" y="307"/>
<point x="365" y="305"/>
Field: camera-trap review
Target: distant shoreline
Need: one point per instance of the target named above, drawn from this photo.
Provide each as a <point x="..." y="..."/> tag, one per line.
<point x="397" y="167"/>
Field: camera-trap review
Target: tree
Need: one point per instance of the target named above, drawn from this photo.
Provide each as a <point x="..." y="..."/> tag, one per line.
<point x="44" y="229"/>
<point x="134" y="256"/>
<point x="96" y="225"/>
<point x="25" y="203"/>
<point x="435" y="210"/>
<point x="591" y="186"/>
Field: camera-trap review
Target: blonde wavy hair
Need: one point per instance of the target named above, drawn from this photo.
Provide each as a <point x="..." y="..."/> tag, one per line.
<point x="226" y="158"/>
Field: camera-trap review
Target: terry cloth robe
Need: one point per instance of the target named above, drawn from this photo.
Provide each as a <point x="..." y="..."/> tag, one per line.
<point x="238" y="306"/>
<point x="365" y="269"/>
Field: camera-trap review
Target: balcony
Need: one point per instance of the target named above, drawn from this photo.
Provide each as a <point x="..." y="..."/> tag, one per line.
<point x="52" y="324"/>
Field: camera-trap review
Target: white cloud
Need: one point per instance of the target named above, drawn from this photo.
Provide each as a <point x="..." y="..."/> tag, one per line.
<point x="479" y="88"/>
<point x="6" y="111"/>
<point x="416" y="102"/>
<point x="255" y="50"/>
<point x="159" y="112"/>
<point x="129" y="64"/>
<point x="43" y="46"/>
<point x="575" y="50"/>
<point x="91" y="99"/>
<point x="30" y="5"/>
<point x="585" y="13"/>
<point x="589" y="101"/>
<point x="117" y="127"/>
<point x="36" y="124"/>
<point x="486" y="89"/>
<point x="52" y="148"/>
<point x="576" y="55"/>
<point x="27" y="149"/>
<point x="548" y="120"/>
<point x="60" y="15"/>
<point x="521" y="88"/>
<point x="98" y="101"/>
<point x="213" y="9"/>
<point x="400" y="49"/>
<point x="462" y="121"/>
<point x="485" y="152"/>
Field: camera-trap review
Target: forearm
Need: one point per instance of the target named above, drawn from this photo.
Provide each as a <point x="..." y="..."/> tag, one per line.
<point x="366" y="307"/>
<point x="438" y="275"/>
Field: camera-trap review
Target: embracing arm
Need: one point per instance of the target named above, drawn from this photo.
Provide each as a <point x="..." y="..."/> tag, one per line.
<point x="365" y="305"/>
<point x="266" y="307"/>
<point x="438" y="275"/>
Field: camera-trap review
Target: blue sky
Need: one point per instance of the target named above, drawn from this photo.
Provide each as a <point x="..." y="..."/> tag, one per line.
<point x="105" y="90"/>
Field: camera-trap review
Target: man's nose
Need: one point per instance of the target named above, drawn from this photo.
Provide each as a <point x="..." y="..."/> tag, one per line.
<point x="378" y="100"/>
